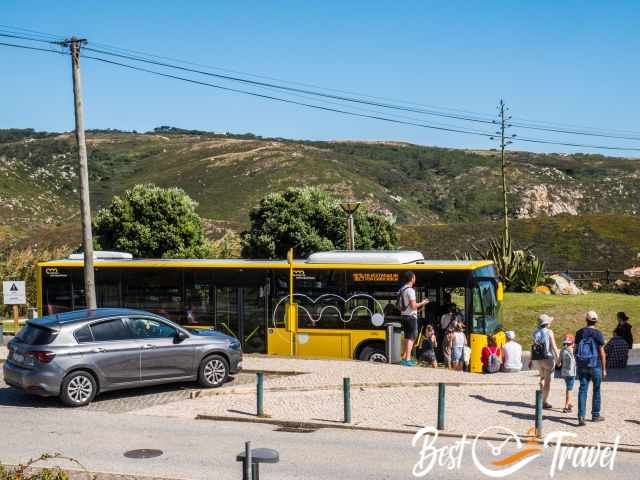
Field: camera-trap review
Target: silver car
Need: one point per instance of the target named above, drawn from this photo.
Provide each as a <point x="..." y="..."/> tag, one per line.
<point x="78" y="354"/>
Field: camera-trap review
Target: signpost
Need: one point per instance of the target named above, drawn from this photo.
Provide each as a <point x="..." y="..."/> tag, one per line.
<point x="14" y="293"/>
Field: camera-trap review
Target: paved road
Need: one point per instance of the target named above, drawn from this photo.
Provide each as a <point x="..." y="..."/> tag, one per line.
<point x="120" y="401"/>
<point x="200" y="449"/>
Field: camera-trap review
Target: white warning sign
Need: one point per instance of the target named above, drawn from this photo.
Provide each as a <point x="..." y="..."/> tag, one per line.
<point x="14" y="292"/>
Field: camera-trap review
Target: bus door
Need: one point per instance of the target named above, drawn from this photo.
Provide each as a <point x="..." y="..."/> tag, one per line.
<point x="240" y="312"/>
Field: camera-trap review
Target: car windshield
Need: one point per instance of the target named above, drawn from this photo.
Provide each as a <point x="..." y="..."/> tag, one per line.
<point x="36" y="335"/>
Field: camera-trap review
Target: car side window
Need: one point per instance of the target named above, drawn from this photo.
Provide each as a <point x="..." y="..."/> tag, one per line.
<point x="110" y="330"/>
<point x="83" y="335"/>
<point x="150" y="328"/>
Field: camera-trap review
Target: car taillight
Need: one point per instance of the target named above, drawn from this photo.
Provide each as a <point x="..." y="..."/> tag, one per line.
<point x="42" y="357"/>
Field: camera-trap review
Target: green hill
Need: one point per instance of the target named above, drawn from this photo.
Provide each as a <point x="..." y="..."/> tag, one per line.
<point x="416" y="185"/>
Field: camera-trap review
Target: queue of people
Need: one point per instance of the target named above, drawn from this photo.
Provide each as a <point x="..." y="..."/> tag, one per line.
<point x="584" y="358"/>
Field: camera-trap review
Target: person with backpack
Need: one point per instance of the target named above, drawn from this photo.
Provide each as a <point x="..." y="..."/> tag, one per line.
<point x="544" y="356"/>
<point x="592" y="367"/>
<point x="491" y="356"/>
<point x="408" y="307"/>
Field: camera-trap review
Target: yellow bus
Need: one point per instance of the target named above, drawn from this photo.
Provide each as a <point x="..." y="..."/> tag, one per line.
<point x="331" y="304"/>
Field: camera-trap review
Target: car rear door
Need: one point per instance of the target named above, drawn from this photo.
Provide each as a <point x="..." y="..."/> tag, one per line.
<point x="163" y="357"/>
<point x="113" y="350"/>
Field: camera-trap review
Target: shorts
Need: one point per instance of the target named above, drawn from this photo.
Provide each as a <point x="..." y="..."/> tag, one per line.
<point x="456" y="354"/>
<point x="409" y="327"/>
<point x="429" y="356"/>
<point x="570" y="381"/>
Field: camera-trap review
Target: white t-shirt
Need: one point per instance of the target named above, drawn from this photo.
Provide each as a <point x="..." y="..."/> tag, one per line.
<point x="459" y="340"/>
<point x="408" y="294"/>
<point x="512" y="355"/>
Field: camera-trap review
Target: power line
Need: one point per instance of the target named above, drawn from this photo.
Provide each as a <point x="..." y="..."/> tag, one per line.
<point x="285" y="100"/>
<point x="479" y="118"/>
<point x="356" y="100"/>
<point x="23" y="38"/>
<point x="27" y="47"/>
<point x="289" y="89"/>
<point x="329" y="109"/>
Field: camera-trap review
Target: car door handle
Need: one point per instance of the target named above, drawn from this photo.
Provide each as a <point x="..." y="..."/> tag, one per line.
<point x="148" y="346"/>
<point x="99" y="350"/>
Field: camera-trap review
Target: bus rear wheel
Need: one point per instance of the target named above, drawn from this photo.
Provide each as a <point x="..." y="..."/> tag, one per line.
<point x="373" y="353"/>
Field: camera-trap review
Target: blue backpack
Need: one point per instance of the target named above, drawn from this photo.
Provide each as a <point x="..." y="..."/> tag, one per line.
<point x="587" y="354"/>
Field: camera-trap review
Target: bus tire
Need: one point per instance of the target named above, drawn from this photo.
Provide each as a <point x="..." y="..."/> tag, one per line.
<point x="373" y="353"/>
<point x="213" y="371"/>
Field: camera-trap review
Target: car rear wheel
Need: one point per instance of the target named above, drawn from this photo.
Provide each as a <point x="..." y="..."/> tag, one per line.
<point x="78" y="389"/>
<point x="213" y="372"/>
<point x="373" y="354"/>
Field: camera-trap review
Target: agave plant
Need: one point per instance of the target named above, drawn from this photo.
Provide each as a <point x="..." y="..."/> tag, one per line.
<point x="530" y="275"/>
<point x="518" y="270"/>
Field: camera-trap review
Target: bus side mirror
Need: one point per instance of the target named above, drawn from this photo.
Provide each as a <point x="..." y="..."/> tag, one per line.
<point x="500" y="292"/>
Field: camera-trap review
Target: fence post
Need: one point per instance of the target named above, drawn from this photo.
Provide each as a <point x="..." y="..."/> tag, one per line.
<point x="260" y="393"/>
<point x="346" y="388"/>
<point x="538" y="413"/>
<point x="441" y="391"/>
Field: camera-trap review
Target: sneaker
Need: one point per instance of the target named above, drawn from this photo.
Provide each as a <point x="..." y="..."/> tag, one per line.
<point x="581" y="422"/>
<point x="413" y="363"/>
<point x="547" y="406"/>
<point x="407" y="363"/>
<point x="597" y="419"/>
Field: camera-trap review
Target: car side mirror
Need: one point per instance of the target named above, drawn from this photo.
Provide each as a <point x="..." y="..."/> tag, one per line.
<point x="180" y="336"/>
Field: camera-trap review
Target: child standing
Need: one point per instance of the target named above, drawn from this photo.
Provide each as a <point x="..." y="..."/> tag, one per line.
<point x="568" y="372"/>
<point x="429" y="345"/>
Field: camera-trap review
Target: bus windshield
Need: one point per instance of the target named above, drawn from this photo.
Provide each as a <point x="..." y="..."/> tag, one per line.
<point x="486" y="309"/>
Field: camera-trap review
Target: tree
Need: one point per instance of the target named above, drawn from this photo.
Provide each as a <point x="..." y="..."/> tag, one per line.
<point x="152" y="222"/>
<point x="310" y="220"/>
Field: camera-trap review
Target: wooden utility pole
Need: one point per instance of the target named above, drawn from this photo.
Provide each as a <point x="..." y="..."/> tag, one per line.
<point x="74" y="45"/>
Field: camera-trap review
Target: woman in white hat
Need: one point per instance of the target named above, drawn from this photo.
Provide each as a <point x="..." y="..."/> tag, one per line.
<point x="544" y="355"/>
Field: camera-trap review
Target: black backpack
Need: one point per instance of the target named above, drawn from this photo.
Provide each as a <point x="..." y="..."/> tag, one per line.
<point x="538" y="350"/>
<point x="400" y="300"/>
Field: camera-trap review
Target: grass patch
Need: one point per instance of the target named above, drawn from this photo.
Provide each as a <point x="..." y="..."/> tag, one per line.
<point x="521" y="312"/>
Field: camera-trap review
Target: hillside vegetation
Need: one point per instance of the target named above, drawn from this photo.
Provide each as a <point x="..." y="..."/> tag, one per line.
<point x="417" y="186"/>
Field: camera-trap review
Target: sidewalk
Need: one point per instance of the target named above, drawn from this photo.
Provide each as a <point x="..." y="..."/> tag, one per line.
<point x="401" y="398"/>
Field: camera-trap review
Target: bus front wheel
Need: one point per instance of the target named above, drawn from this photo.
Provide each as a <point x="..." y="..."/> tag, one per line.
<point x="373" y="353"/>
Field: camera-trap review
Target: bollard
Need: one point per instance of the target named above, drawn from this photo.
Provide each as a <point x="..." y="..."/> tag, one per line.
<point x="260" y="393"/>
<point x="441" y="406"/>
<point x="346" y="387"/>
<point x="246" y="464"/>
<point x="538" y="413"/>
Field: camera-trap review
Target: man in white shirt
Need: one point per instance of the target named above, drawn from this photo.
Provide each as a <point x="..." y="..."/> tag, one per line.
<point x="512" y="354"/>
<point x="409" y="310"/>
<point x="449" y="319"/>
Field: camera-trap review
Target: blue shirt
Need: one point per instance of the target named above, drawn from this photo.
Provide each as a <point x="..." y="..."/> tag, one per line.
<point x="597" y="335"/>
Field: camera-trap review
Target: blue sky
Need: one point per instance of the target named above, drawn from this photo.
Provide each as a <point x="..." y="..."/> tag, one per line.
<point x="567" y="62"/>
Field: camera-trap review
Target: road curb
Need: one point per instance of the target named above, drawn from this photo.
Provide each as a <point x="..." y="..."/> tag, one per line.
<point x="338" y="426"/>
